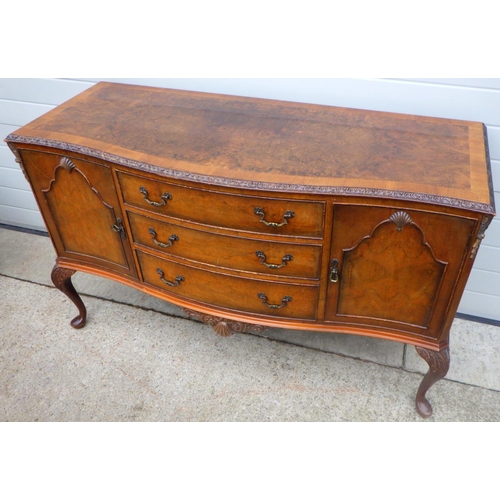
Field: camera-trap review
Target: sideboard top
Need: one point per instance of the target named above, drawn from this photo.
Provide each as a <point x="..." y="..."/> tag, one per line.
<point x="267" y="144"/>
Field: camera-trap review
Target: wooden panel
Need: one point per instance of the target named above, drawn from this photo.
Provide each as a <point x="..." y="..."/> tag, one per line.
<point x="249" y="142"/>
<point x="240" y="294"/>
<point x="81" y="208"/>
<point x="391" y="274"/>
<point x="226" y="251"/>
<point x="88" y="233"/>
<point x="426" y="246"/>
<point x="378" y="94"/>
<point x="398" y="95"/>
<point x="223" y="210"/>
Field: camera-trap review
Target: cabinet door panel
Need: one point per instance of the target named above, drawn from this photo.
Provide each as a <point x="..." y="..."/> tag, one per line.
<point x="396" y="267"/>
<point x="393" y="266"/>
<point x="81" y="208"/>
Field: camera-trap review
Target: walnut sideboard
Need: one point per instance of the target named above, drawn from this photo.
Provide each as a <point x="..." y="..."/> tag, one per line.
<point x="253" y="213"/>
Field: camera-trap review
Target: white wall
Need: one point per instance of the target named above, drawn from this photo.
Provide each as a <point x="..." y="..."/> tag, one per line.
<point x="22" y="100"/>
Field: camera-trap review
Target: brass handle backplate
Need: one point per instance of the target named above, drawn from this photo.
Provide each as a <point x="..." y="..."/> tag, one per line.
<point x="262" y="256"/>
<point x="287" y="215"/>
<point x="164" y="197"/>
<point x="176" y="282"/>
<point x="284" y="301"/>
<point x="334" y="271"/>
<point x="171" y="240"/>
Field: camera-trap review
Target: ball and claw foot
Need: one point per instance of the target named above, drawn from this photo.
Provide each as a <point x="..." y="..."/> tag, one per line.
<point x="438" y="362"/>
<point x="61" y="277"/>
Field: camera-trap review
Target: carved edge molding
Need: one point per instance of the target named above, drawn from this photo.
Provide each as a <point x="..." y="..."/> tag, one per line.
<point x="224" y="327"/>
<point x="269" y="186"/>
<point x="485" y="222"/>
<point x="19" y="160"/>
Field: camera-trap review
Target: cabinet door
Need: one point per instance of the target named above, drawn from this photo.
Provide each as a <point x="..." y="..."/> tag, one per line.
<point x="395" y="268"/>
<point x="81" y="209"/>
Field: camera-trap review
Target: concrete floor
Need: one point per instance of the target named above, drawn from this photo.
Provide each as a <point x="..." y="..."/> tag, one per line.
<point x="141" y="359"/>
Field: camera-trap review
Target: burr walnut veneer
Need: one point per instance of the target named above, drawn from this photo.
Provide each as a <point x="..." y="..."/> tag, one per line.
<point x="253" y="213"/>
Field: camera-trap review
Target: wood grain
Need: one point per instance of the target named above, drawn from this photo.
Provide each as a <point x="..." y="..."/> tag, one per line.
<point x="252" y="213"/>
<point x="269" y="141"/>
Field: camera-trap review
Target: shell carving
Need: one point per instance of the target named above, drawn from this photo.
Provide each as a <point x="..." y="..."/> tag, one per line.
<point x="400" y="219"/>
<point x="67" y="164"/>
<point x="222" y="326"/>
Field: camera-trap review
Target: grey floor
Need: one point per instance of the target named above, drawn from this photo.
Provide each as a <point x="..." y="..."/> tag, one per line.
<point x="141" y="359"/>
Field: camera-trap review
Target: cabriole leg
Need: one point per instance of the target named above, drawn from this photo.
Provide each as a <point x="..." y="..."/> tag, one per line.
<point x="61" y="277"/>
<point x="438" y="362"/>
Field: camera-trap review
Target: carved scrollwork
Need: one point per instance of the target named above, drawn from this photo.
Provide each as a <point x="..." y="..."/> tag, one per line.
<point x="19" y="160"/>
<point x="480" y="235"/>
<point x="438" y="361"/>
<point x="224" y="327"/>
<point x="60" y="274"/>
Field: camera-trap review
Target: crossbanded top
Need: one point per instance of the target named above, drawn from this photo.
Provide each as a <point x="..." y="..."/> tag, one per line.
<point x="268" y="144"/>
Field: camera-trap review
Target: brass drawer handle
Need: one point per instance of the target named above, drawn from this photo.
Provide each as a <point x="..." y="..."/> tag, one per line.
<point x="262" y="256"/>
<point x="176" y="282"/>
<point x="334" y="271"/>
<point x="164" y="197"/>
<point x="259" y="211"/>
<point x="284" y="301"/>
<point x="171" y="240"/>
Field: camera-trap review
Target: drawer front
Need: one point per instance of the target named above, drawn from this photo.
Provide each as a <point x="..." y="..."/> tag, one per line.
<point x="280" y="259"/>
<point x="262" y="215"/>
<point x="239" y="294"/>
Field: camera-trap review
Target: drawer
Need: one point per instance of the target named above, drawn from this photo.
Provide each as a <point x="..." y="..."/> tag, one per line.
<point x="280" y="259"/>
<point x="286" y="217"/>
<point x="239" y="294"/>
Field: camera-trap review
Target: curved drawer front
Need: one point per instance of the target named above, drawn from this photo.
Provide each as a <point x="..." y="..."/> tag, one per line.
<point x="279" y="259"/>
<point x="262" y="215"/>
<point x="240" y="294"/>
